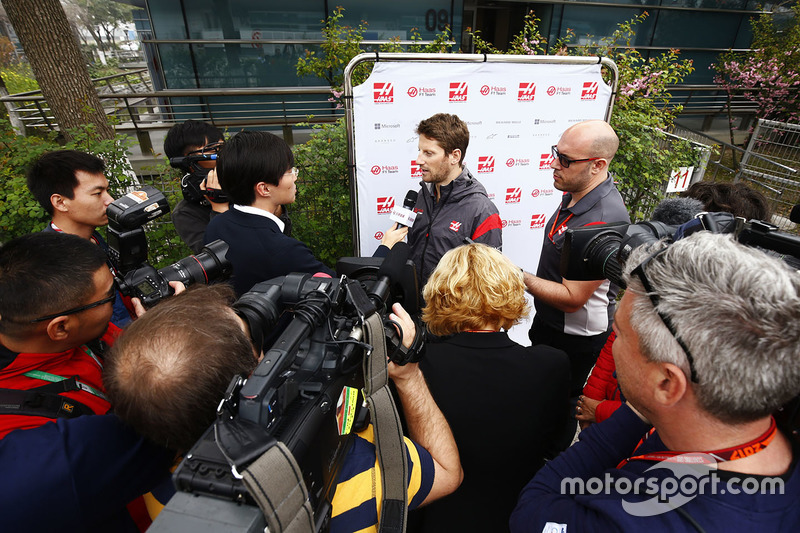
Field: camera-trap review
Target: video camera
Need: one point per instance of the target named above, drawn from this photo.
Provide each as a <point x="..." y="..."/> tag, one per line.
<point x="195" y="173"/>
<point x="295" y="392"/>
<point x="128" y="250"/>
<point x="599" y="251"/>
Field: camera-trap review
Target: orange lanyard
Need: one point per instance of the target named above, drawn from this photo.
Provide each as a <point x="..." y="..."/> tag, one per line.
<point x="728" y="454"/>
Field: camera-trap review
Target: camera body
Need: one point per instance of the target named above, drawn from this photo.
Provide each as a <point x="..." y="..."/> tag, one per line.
<point x="599" y="251"/>
<point x="128" y="250"/>
<point x="194" y="176"/>
<point x="292" y="395"/>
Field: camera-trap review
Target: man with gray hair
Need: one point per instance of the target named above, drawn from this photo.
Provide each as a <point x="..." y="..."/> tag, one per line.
<point x="707" y="348"/>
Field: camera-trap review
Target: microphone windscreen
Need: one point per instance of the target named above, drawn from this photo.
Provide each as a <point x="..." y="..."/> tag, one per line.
<point x="676" y="211"/>
<point x="395" y="260"/>
<point x="410" y="200"/>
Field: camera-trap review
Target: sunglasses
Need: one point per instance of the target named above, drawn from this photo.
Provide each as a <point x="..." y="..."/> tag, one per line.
<point x="565" y="161"/>
<point x="108" y="299"/>
<point x="639" y="272"/>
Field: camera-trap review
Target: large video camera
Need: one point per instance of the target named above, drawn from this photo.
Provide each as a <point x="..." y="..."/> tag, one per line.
<point x="128" y="250"/>
<point x="293" y="395"/>
<point x="598" y="252"/>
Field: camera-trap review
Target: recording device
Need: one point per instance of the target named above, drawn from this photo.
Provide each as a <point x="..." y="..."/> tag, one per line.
<point x="151" y="285"/>
<point x="405" y="216"/>
<point x="292" y="394"/>
<point x="126" y="239"/>
<point x="127" y="250"/>
<point x="194" y="176"/>
<point x="599" y="251"/>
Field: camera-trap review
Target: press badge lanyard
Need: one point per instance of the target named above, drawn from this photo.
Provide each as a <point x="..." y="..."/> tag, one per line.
<point x="53" y="378"/>
<point x="554" y="230"/>
<point x="728" y="454"/>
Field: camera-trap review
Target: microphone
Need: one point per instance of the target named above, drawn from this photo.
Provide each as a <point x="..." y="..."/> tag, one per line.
<point x="405" y="216"/>
<point x="390" y="272"/>
<point x="677" y="211"/>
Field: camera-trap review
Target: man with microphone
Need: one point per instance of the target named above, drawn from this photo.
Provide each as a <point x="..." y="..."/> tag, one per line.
<point x="452" y="206"/>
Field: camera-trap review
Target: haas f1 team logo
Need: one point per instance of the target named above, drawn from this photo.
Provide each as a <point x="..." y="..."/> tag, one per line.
<point x="455" y="225"/>
<point x="545" y="161"/>
<point x="486" y="163"/>
<point x="527" y="91"/>
<point x="537" y="221"/>
<point x="385" y="204"/>
<point x="513" y="195"/>
<point x="458" y="91"/>
<point x="589" y="91"/>
<point x="416" y="172"/>
<point x="383" y="92"/>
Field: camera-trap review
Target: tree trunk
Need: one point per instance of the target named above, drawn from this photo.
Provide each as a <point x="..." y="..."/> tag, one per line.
<point x="57" y="63"/>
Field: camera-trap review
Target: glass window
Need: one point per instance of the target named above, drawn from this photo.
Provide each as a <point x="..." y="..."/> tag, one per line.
<point x="599" y="22"/>
<point x="396" y="19"/>
<point x="678" y="29"/>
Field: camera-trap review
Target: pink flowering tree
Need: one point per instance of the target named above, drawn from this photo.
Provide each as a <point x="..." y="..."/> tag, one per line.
<point x="768" y="75"/>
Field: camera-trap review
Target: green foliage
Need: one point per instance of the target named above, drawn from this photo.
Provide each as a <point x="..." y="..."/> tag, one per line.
<point x="18" y="78"/>
<point x="642" y="112"/>
<point x="322" y="217"/>
<point x="99" y="70"/>
<point x="19" y="211"/>
<point x="164" y="245"/>
<point x="342" y="43"/>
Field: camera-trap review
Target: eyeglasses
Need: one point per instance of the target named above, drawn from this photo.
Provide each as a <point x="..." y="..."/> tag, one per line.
<point x="639" y="271"/>
<point x="565" y="162"/>
<point x="108" y="299"/>
<point x="293" y="171"/>
<point x="210" y="148"/>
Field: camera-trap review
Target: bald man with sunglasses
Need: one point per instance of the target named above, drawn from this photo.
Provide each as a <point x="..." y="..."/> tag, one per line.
<point x="575" y="316"/>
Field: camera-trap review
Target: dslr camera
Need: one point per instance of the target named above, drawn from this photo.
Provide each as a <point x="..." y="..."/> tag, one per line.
<point x="128" y="250"/>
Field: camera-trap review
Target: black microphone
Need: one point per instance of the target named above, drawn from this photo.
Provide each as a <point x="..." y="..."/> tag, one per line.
<point x="677" y="211"/>
<point x="405" y="216"/>
<point x="390" y="272"/>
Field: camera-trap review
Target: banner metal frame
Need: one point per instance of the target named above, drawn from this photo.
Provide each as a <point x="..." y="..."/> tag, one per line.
<point x="376" y="57"/>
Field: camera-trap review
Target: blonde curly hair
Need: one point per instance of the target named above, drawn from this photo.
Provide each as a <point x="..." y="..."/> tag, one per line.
<point x="472" y="287"/>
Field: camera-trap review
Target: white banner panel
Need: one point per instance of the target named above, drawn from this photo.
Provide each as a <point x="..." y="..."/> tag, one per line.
<point x="515" y="112"/>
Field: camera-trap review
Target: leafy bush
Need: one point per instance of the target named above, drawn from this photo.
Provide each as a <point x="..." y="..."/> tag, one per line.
<point x="642" y="112"/>
<point x="19" y="211"/>
<point x="321" y="218"/>
<point x="18" y="78"/>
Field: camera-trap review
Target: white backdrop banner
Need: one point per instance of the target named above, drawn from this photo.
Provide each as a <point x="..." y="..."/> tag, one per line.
<point x="515" y="112"/>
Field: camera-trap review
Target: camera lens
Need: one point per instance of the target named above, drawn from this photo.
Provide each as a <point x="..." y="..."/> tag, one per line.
<point x="210" y="264"/>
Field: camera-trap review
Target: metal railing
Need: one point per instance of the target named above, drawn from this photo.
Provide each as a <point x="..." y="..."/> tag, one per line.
<point x="136" y="108"/>
<point x="770" y="164"/>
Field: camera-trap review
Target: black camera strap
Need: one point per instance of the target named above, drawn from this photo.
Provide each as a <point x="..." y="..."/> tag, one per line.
<point x="39" y="402"/>
<point x="388" y="432"/>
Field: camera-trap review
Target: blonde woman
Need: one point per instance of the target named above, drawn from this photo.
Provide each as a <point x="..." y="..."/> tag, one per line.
<point x="506" y="404"/>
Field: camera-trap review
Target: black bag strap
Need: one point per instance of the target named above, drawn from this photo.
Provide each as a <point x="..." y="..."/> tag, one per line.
<point x="40" y="403"/>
